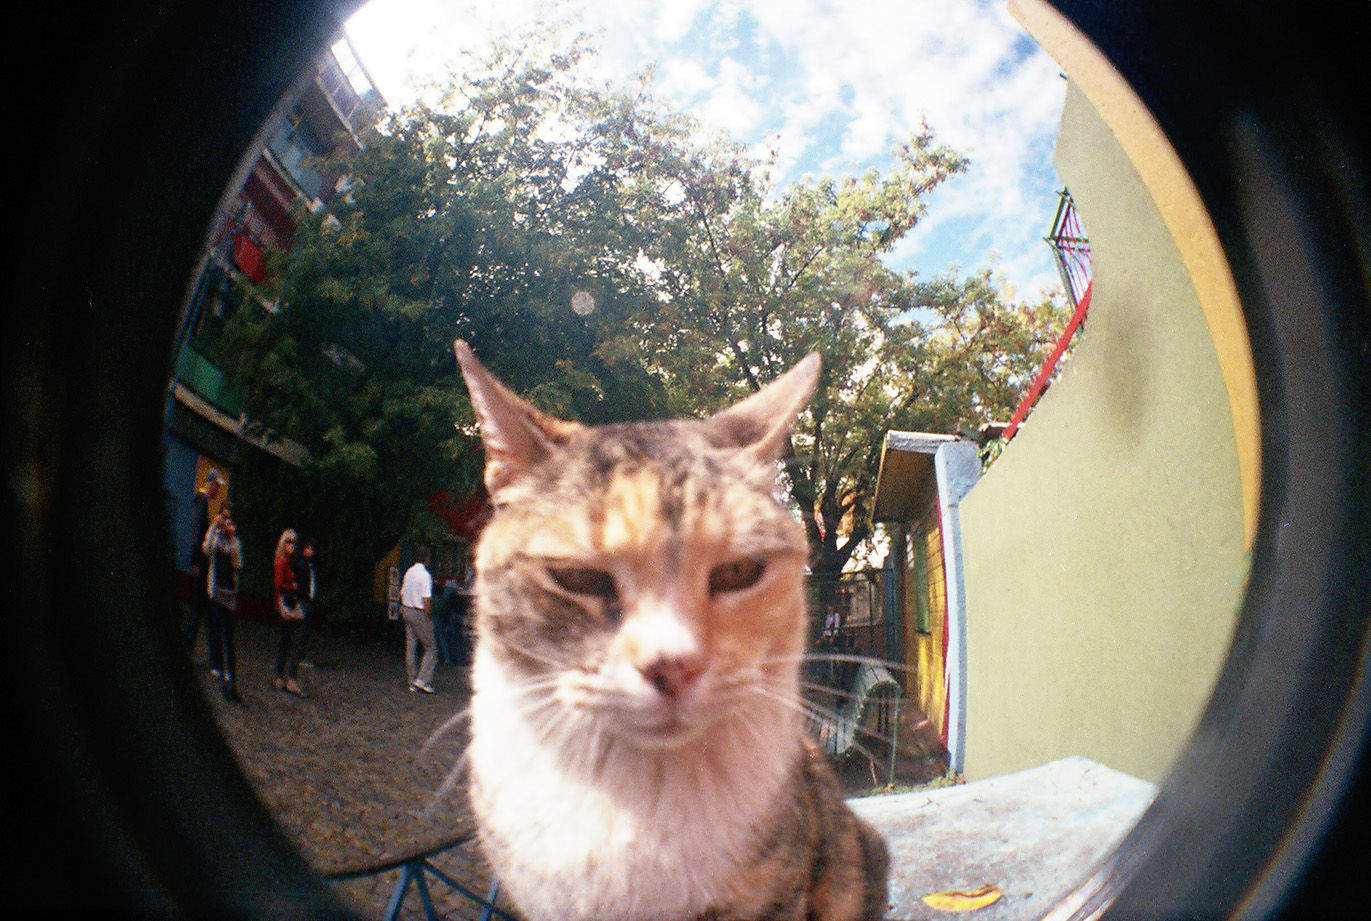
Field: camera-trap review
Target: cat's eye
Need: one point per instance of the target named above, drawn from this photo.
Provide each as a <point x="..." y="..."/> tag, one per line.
<point x="735" y="576"/>
<point x="592" y="582"/>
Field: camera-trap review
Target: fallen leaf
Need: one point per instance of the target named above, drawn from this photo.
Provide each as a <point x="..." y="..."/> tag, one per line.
<point x="963" y="900"/>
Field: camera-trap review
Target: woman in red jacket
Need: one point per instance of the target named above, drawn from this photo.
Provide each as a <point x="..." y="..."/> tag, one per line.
<point x="292" y="617"/>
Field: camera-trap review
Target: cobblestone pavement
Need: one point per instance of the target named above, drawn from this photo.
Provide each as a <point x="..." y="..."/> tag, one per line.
<point x="354" y="773"/>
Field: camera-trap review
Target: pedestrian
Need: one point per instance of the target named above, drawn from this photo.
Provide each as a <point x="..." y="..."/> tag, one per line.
<point x="288" y="610"/>
<point x="225" y="555"/>
<point x="305" y="590"/>
<point x="416" y="607"/>
<point x="199" y="563"/>
<point x="831" y="644"/>
<point x="833" y="625"/>
<point x="447" y="612"/>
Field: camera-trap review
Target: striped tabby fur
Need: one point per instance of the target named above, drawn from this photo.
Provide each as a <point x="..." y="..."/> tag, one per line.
<point x="637" y="749"/>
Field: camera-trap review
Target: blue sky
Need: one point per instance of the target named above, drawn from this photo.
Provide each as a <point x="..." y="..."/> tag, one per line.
<point x="831" y="84"/>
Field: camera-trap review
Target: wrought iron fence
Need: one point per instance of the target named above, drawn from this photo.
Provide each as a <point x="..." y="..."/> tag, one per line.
<point x="451" y="864"/>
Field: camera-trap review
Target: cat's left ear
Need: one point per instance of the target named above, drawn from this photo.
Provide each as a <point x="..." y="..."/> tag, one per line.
<point x="517" y="436"/>
<point x="761" y="422"/>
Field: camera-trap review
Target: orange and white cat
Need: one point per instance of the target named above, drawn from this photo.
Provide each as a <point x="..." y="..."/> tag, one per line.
<point x="637" y="749"/>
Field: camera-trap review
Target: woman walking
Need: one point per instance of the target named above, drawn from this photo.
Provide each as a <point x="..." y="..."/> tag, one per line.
<point x="291" y="614"/>
<point x="225" y="554"/>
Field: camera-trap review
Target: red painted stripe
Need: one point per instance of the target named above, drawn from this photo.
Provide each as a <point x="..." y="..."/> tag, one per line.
<point x="1036" y="388"/>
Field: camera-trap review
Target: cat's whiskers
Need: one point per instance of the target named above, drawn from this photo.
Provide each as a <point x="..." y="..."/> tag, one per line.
<point x="557" y="665"/>
<point x="545" y="714"/>
<point x="760" y="729"/>
<point x="794" y="702"/>
<point x="818" y="715"/>
<point x="839" y="657"/>
<point x="526" y="687"/>
<point x="461" y="716"/>
<point x="454" y="776"/>
<point x="529" y="708"/>
<point x="829" y="689"/>
<point x="599" y="750"/>
<point x="560" y="706"/>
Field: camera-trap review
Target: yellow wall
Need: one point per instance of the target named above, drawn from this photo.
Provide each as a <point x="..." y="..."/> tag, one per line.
<point x="925" y="681"/>
<point x="1106" y="548"/>
<point x="380" y="575"/>
<point x="203" y="466"/>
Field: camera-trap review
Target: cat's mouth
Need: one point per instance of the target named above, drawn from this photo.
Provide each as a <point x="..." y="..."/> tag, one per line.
<point x="643" y="716"/>
<point x="657" y="721"/>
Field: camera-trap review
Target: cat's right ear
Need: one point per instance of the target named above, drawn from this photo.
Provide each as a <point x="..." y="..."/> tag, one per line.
<point x="761" y="423"/>
<point x="516" y="435"/>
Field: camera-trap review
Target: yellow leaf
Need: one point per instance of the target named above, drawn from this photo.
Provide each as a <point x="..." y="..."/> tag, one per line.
<point x="963" y="900"/>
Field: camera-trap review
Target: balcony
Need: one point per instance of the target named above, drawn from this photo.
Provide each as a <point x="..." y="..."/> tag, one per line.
<point x="208" y="382"/>
<point x="295" y="147"/>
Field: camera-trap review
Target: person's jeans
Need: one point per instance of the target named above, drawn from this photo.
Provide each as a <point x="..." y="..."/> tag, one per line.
<point x="199" y="610"/>
<point x="288" y="647"/>
<point x="440" y="633"/>
<point x="221" y="651"/>
<point x="419" y="632"/>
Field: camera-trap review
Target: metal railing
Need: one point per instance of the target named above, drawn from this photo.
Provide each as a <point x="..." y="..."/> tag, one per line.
<point x="1071" y="250"/>
<point x="415" y="872"/>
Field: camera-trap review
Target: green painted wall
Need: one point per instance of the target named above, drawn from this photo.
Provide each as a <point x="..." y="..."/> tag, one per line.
<point x="1105" y="554"/>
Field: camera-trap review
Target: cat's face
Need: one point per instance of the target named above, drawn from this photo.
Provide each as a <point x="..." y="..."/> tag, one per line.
<point x="640" y="581"/>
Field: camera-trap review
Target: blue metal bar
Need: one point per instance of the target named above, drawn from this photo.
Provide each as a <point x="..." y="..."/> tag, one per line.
<point x="397" y="897"/>
<point x="488" y="906"/>
<point x="422" y="885"/>
<point x="412" y="870"/>
<point x="491" y="896"/>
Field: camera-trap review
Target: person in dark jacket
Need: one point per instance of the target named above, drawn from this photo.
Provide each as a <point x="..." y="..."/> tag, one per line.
<point x="225" y="553"/>
<point x="199" y="563"/>
<point x="306" y="587"/>
<point x="448" y="609"/>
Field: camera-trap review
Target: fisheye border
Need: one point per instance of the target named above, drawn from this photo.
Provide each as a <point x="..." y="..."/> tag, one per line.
<point x="122" y="772"/>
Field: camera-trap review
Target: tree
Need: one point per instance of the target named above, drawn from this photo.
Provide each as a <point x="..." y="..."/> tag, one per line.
<point x="456" y="222"/>
<point x="748" y="279"/>
<point x="521" y="190"/>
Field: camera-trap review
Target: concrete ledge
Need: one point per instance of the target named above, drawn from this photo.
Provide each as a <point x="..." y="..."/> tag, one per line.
<point x="1035" y="834"/>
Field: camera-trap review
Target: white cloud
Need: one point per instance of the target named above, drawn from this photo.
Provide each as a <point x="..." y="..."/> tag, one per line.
<point x="830" y="82"/>
<point x="682" y="78"/>
<point x="673" y="20"/>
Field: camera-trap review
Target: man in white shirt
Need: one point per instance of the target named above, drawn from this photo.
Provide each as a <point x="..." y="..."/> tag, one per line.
<point x="416" y="607"/>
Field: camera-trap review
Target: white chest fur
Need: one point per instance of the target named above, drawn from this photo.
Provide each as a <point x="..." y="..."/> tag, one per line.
<point x="635" y="835"/>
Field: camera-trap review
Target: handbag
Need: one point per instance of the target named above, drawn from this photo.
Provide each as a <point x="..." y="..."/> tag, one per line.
<point x="291" y="611"/>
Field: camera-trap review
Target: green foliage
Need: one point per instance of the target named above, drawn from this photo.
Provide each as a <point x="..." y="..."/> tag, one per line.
<point x="458" y="222"/>
<point x="747" y="279"/>
<point x="483" y="213"/>
<point x="990" y="453"/>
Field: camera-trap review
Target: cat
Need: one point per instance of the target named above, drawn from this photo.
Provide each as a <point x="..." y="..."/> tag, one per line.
<point x="637" y="750"/>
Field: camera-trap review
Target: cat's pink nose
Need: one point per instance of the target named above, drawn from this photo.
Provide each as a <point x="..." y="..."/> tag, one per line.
<point x="671" y="675"/>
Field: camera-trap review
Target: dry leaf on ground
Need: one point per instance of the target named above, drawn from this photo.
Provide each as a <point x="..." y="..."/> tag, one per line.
<point x="963" y="900"/>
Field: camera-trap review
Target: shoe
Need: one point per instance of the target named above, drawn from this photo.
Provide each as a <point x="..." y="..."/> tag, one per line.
<point x="216" y="673"/>
<point x="290" y="687"/>
<point x="412" y="688"/>
<point x="279" y="684"/>
<point x="426" y="688"/>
